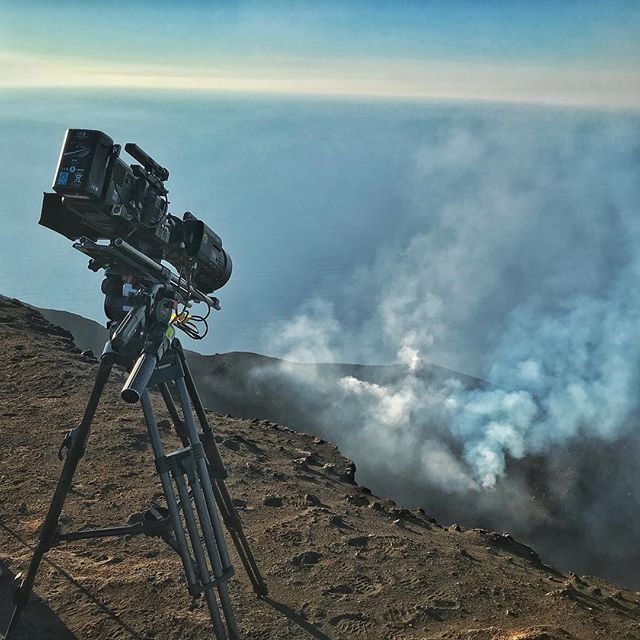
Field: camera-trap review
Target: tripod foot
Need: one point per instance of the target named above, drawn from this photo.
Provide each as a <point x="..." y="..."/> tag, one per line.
<point x="15" y="586"/>
<point x="20" y="596"/>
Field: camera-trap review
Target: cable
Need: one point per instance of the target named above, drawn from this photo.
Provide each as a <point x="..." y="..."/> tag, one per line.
<point x="186" y="322"/>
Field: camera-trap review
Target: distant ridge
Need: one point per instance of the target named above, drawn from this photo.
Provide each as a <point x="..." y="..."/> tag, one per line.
<point x="250" y="384"/>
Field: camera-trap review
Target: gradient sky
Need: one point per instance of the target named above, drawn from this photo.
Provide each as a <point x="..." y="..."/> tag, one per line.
<point x="584" y="53"/>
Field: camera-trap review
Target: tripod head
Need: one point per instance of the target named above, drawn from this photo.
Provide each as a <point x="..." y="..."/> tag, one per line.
<point x="145" y="314"/>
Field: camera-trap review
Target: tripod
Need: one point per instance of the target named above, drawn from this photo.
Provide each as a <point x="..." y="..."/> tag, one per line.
<point x="192" y="477"/>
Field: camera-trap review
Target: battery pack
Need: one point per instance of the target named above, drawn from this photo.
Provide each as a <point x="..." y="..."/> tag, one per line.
<point x="82" y="167"/>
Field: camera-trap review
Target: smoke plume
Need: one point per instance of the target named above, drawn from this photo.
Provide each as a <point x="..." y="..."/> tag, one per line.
<point x="520" y="266"/>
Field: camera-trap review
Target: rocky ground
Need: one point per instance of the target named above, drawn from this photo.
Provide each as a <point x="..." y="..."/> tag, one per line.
<point x="573" y="503"/>
<point x="340" y="562"/>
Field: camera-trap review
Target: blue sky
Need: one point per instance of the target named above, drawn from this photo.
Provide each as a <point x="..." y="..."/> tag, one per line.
<point x="557" y="52"/>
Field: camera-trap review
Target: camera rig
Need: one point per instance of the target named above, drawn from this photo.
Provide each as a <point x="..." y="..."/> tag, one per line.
<point x="96" y="197"/>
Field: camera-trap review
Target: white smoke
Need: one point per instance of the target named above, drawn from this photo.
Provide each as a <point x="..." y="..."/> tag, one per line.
<point x="524" y="269"/>
<point x="309" y="336"/>
<point x="514" y="218"/>
<point x="557" y="377"/>
<point x="396" y="423"/>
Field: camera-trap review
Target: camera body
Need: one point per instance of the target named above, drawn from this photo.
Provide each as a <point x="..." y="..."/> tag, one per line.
<point x="98" y="195"/>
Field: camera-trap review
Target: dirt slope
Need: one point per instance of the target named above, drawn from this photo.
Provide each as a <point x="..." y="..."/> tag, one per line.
<point x="340" y="563"/>
<point x="573" y="503"/>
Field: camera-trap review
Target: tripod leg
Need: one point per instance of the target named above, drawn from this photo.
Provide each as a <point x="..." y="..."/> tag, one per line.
<point x="217" y="474"/>
<point x="173" y="412"/>
<point x="76" y="441"/>
<point x="234" y="526"/>
<point x="196" y="545"/>
<point x="200" y="561"/>
<point x="208" y="510"/>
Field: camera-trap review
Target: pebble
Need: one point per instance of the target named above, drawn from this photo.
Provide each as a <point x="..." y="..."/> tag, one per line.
<point x="337" y="521"/>
<point x="358" y="501"/>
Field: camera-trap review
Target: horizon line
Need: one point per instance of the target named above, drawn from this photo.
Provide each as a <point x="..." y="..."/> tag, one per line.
<point x="417" y="97"/>
<point x="410" y="80"/>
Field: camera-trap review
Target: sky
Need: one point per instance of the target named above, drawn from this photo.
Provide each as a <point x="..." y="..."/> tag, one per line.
<point x="575" y="53"/>
<point x="313" y="118"/>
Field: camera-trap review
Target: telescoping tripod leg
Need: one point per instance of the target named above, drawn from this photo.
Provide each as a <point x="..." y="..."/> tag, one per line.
<point x="75" y="442"/>
<point x="217" y="473"/>
<point x="199" y="577"/>
<point x="186" y="468"/>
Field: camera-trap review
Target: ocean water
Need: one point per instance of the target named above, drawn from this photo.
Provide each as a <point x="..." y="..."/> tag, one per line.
<point x="299" y="192"/>
<point x="309" y="196"/>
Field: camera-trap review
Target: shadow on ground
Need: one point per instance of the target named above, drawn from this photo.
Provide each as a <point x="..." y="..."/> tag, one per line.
<point x="37" y="621"/>
<point x="296" y="617"/>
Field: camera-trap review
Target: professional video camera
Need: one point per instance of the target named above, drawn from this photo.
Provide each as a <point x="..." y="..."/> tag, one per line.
<point x="99" y="196"/>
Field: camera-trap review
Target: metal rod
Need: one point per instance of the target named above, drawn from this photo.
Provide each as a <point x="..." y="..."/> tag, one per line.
<point x="201" y="562"/>
<point x="167" y="487"/>
<point x="125" y="530"/>
<point x="178" y="423"/>
<point x="213" y="454"/>
<point x="211" y="526"/>
<point x="126" y="250"/>
<point x="139" y="377"/>
<point x="128" y="327"/>
<point x="218" y="472"/>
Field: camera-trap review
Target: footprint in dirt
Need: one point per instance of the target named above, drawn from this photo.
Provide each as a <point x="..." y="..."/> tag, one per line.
<point x="353" y="624"/>
<point x="365" y="585"/>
